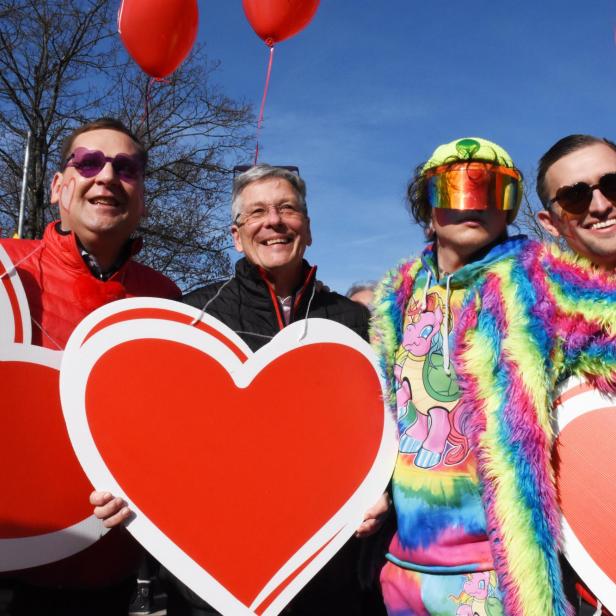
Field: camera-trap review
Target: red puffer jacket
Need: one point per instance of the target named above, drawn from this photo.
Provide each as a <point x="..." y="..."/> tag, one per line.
<point x="61" y="291"/>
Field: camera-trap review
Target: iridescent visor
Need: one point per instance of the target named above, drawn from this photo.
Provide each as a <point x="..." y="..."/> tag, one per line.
<point x="474" y="186"/>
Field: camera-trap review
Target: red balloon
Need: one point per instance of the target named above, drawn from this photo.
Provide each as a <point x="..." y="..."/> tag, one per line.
<point x="158" y="34"/>
<point x="277" y="20"/>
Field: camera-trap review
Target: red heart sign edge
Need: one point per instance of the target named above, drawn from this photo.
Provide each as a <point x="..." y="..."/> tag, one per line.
<point x="122" y="321"/>
<point x="579" y="407"/>
<point x="42" y="548"/>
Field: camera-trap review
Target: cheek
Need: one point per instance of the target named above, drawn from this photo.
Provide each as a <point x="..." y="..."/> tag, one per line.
<point x="440" y="217"/>
<point x="66" y="195"/>
<point x="568" y="225"/>
<point x="136" y="194"/>
<point x="497" y="222"/>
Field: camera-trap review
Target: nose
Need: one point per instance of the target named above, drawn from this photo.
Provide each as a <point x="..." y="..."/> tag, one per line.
<point x="599" y="203"/>
<point x="106" y="174"/>
<point x="273" y="215"/>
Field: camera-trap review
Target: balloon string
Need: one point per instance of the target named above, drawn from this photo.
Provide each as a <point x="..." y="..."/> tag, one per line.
<point x="148" y="100"/>
<point x="146" y="111"/>
<point x="260" y="121"/>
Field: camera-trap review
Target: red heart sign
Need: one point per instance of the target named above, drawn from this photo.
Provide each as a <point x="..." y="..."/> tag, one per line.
<point x="268" y="458"/>
<point x="44" y="512"/>
<point x="585" y="474"/>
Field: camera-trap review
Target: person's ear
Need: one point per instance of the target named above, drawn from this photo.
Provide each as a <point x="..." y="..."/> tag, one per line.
<point x="550" y="222"/>
<point x="237" y="240"/>
<point x="56" y="187"/>
<point x="309" y="234"/>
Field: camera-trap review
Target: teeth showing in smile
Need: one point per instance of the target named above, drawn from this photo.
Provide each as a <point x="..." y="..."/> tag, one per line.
<point x="604" y="224"/>
<point x="103" y="201"/>
<point x="276" y="241"/>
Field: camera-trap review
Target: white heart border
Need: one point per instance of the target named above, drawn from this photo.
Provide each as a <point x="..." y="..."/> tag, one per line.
<point x="81" y="355"/>
<point x="6" y="311"/>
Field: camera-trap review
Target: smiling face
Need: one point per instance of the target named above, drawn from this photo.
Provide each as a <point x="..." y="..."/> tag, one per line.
<point x="276" y="243"/>
<point x="593" y="233"/>
<point x="103" y="207"/>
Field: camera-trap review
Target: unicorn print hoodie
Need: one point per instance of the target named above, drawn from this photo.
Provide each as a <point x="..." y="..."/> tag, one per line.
<point x="471" y="360"/>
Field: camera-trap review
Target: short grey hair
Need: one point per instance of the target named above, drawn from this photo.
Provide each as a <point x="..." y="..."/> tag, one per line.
<point x="358" y="287"/>
<point x="263" y="171"/>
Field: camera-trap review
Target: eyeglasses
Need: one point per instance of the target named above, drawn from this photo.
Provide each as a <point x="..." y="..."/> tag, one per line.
<point x="286" y="211"/>
<point x="474" y="186"/>
<point x="576" y="199"/>
<point x="128" y="167"/>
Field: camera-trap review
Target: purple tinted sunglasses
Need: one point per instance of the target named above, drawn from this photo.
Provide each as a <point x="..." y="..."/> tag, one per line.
<point x="128" y="167"/>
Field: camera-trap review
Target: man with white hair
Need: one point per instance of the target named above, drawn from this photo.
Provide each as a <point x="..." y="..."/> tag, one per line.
<point x="272" y="287"/>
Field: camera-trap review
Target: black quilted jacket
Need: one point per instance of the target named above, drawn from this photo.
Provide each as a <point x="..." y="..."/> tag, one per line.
<point x="246" y="305"/>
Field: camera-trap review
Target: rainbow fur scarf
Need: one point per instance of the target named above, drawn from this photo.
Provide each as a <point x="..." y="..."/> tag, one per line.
<point x="528" y="320"/>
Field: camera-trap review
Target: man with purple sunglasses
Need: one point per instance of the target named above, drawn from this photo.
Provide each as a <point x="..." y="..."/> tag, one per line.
<point x="83" y="261"/>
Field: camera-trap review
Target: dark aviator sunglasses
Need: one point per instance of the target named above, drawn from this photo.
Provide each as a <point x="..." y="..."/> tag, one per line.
<point x="576" y="199"/>
<point x="128" y="167"/>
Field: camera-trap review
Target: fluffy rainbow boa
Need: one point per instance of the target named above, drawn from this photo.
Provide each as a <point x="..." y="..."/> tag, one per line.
<point x="529" y="320"/>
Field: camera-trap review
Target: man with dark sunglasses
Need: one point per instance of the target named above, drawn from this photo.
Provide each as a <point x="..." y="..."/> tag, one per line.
<point x="576" y="183"/>
<point x="83" y="261"/>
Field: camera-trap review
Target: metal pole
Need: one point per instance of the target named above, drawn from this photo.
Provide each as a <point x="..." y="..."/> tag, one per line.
<point x="24" y="186"/>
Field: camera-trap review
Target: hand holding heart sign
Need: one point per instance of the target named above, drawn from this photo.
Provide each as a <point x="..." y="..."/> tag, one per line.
<point x="293" y="440"/>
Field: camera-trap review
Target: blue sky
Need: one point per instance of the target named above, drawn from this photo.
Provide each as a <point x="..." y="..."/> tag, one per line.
<point x="369" y="89"/>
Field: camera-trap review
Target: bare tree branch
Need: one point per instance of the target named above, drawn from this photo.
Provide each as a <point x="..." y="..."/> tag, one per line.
<point x="61" y="64"/>
<point x="527" y="217"/>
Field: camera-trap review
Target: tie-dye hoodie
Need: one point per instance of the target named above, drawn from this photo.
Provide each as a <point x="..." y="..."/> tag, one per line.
<point x="529" y="316"/>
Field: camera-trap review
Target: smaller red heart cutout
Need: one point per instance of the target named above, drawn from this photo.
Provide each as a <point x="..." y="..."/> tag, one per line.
<point x="37" y="497"/>
<point x="585" y="461"/>
<point x="588" y="496"/>
<point x="44" y="510"/>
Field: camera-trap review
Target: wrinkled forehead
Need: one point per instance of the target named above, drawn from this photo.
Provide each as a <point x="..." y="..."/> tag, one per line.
<point x="266" y="191"/>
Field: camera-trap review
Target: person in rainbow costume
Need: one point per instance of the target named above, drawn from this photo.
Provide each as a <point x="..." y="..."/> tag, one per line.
<point x="472" y="338"/>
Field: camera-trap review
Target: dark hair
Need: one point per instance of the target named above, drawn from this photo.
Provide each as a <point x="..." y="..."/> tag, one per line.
<point x="417" y="199"/>
<point x="566" y="145"/>
<point x="100" y="124"/>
